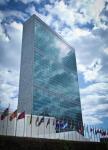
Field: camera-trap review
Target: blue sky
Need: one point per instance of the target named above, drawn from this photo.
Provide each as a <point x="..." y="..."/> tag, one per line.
<point x="84" y="25"/>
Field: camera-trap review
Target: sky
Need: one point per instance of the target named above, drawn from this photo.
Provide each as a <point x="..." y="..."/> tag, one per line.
<point x="84" y="25"/>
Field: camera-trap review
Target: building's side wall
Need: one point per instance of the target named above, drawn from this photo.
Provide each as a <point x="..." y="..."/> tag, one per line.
<point x="26" y="71"/>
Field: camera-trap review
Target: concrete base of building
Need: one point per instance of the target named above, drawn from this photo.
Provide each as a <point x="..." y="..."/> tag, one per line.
<point x="23" y="128"/>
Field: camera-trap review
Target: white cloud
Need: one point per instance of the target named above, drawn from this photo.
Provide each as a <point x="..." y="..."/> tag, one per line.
<point x="92" y="71"/>
<point x="3" y="2"/>
<point x="91" y="10"/>
<point x="94" y="100"/>
<point x="69" y="13"/>
<point x="106" y="51"/>
<point x="79" y="32"/>
<point x="65" y="13"/>
<point x="8" y="88"/>
<point x="17" y="26"/>
<point x="13" y="13"/>
<point x="9" y="65"/>
<point x="95" y="88"/>
<point x="32" y="10"/>
<point x="3" y="36"/>
<point x="96" y="8"/>
<point x="91" y="120"/>
<point x="29" y="1"/>
<point x="11" y="51"/>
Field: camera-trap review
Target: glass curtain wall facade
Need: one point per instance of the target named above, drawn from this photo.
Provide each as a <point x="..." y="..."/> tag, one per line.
<point x="55" y="81"/>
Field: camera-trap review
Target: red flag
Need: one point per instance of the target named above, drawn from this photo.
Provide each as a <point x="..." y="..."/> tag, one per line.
<point x="81" y="130"/>
<point x="13" y="115"/>
<point x="5" y="113"/>
<point x="21" y="115"/>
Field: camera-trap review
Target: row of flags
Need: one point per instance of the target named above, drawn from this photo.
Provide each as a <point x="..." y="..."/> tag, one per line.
<point x="13" y="115"/>
<point x="21" y="116"/>
<point x="99" y="131"/>
<point x="60" y="125"/>
<point x="39" y="122"/>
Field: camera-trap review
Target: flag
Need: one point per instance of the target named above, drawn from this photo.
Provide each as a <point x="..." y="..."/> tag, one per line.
<point x="107" y="132"/>
<point x="103" y="133"/>
<point x="87" y="129"/>
<point x="54" y="122"/>
<point x="48" y="122"/>
<point x="65" y="125"/>
<point x="5" y="113"/>
<point x="70" y="124"/>
<point x="21" y="115"/>
<point x="61" y="124"/>
<point x="96" y="131"/>
<point x="13" y="115"/>
<point x="92" y="130"/>
<point x="81" y="129"/>
<point x="74" y="128"/>
<point x="57" y="124"/>
<point x="37" y="121"/>
<point x="31" y="119"/>
<point x="42" y="120"/>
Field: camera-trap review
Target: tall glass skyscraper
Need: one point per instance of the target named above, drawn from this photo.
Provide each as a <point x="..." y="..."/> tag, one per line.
<point x="48" y="76"/>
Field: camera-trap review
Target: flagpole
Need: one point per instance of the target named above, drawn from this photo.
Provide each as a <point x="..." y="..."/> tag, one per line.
<point x="75" y="130"/>
<point x="55" y="127"/>
<point x="3" y="127"/>
<point x="7" y="119"/>
<point x="16" y="121"/>
<point x="24" y="127"/>
<point x="31" y="128"/>
<point x="84" y="128"/>
<point x="99" y="136"/>
<point x="49" y="128"/>
<point x="38" y="126"/>
<point x="72" y="129"/>
<point x="31" y="119"/>
<point x="16" y="127"/>
<point x="94" y="133"/>
<point x="68" y="129"/>
<point x="7" y="125"/>
<point x="91" y="134"/>
<point x="88" y="131"/>
<point x="44" y="125"/>
<point x="59" y="129"/>
<point x="78" y="130"/>
<point x="64" y="128"/>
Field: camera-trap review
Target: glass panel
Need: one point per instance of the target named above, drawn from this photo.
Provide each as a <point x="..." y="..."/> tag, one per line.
<point x="56" y="91"/>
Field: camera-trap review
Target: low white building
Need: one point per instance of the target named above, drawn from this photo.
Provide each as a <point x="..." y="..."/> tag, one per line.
<point x="24" y="128"/>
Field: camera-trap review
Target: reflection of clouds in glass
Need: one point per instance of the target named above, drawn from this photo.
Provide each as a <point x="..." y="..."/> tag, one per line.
<point x="55" y="77"/>
<point x="62" y="79"/>
<point x="63" y="48"/>
<point x="69" y="62"/>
